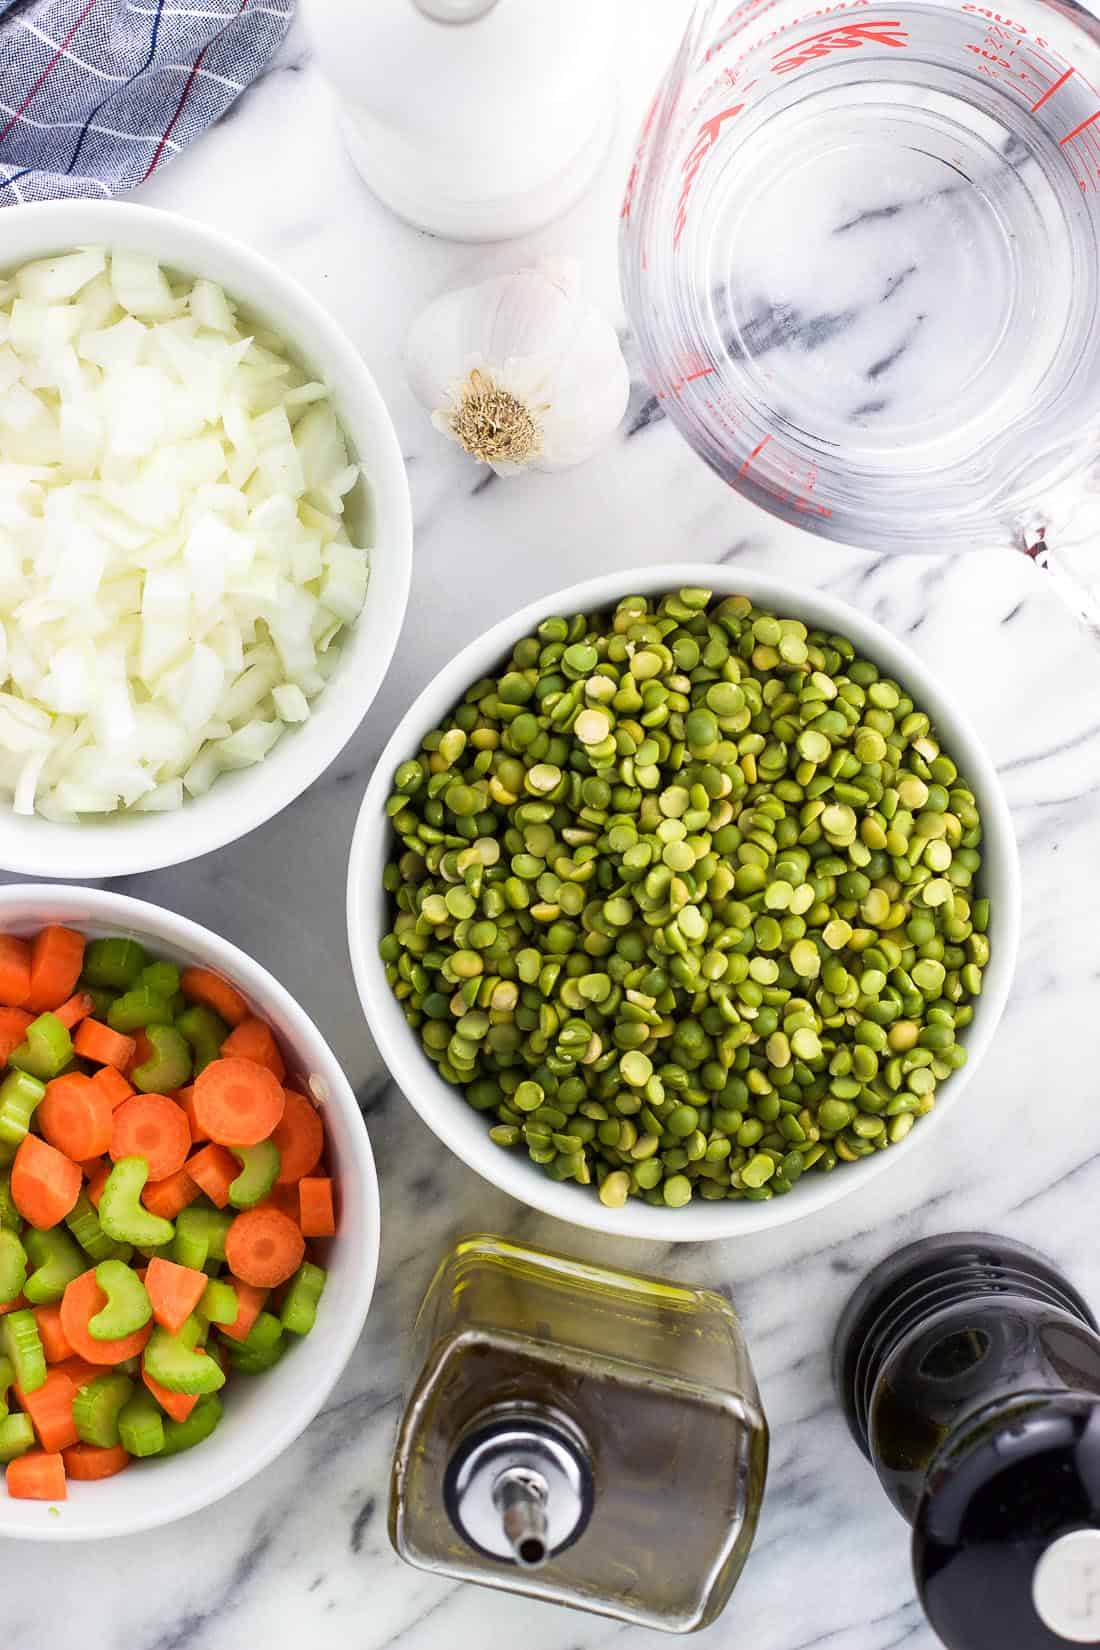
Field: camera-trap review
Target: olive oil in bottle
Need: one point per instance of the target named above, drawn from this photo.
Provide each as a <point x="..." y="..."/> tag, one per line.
<point x="969" y="1370"/>
<point x="566" y="1420"/>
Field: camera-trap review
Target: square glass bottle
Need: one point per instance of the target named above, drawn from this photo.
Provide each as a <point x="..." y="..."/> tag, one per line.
<point x="571" y="1428"/>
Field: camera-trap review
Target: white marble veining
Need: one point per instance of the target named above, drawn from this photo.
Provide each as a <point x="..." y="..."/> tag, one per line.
<point x="300" y="1556"/>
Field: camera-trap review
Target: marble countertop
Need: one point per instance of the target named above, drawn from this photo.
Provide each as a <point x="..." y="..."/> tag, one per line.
<point x="301" y="1555"/>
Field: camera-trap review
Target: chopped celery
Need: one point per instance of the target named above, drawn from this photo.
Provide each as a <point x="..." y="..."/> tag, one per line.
<point x="57" y="1261"/>
<point x="173" y="1362"/>
<point x="10" y="1218"/>
<point x="22" y="1343"/>
<point x="128" y="1307"/>
<point x="46" y="1051"/>
<point x="200" y="1235"/>
<point x="19" y="1095"/>
<point x="181" y="1435"/>
<point x="121" y="1212"/>
<point x="168" y="1067"/>
<point x="299" y="1313"/>
<point x="261" y="1348"/>
<point x="101" y="997"/>
<point x="97" y="1406"/>
<point x="115" y="963"/>
<point x="83" y="1222"/>
<point x="205" y="1031"/>
<point x="139" y="1008"/>
<point x="259" y="1171"/>
<point x="141" y="1424"/>
<point x="161" y="977"/>
<point x="16" y="1437"/>
<point x="219" y="1303"/>
<point x="13" y="1266"/>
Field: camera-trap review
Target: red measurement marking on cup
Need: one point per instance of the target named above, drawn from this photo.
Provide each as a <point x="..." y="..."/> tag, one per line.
<point x="753" y="456"/>
<point x="1050" y="91"/>
<point x="840" y="38"/>
<point x="632" y="180"/>
<point x="694" y="367"/>
<point x="700" y="149"/>
<point x="1069" y="137"/>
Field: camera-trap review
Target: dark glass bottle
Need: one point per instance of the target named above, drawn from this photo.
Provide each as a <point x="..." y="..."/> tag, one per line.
<point x="969" y="1370"/>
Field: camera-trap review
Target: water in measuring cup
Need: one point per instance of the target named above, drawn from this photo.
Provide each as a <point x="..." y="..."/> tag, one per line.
<point x="902" y="257"/>
<point x="864" y="261"/>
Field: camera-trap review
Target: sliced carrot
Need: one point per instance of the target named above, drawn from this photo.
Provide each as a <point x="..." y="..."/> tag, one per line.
<point x="315" y="1212"/>
<point x="87" y="1463"/>
<point x="174" y="1291"/>
<point x="176" y="1404"/>
<point x="143" y="1050"/>
<point x="110" y="1081"/>
<point x="168" y="1196"/>
<point x="57" y="955"/>
<point x="186" y="1098"/>
<point x="78" y="1007"/>
<point x="263" y="1247"/>
<point x="44" y="1183"/>
<point x="50" y="1408"/>
<point x="237" y="1102"/>
<point x="95" y="1041"/>
<point x="300" y="1137"/>
<point x="36" y="1476"/>
<point x="254" y="1040"/>
<point x="75" y="1117"/>
<point x="97" y="1183"/>
<point x="213" y="1170"/>
<point x="13" y="1029"/>
<point x="12" y="1306"/>
<point x="283" y="1198"/>
<point x="80" y="1372"/>
<point x="250" y="1303"/>
<point x="82" y="1299"/>
<point x="153" y="1127"/>
<point x="54" y="1345"/>
<point x="15" y="971"/>
<point x="201" y="985"/>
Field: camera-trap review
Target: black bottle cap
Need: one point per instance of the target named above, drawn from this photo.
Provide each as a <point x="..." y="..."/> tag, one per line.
<point x="1006" y="1539"/>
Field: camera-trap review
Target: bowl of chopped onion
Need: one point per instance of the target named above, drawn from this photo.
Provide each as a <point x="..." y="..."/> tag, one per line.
<point x="205" y="539"/>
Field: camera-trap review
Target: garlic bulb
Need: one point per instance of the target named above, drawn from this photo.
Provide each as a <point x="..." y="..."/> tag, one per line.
<point x="520" y="371"/>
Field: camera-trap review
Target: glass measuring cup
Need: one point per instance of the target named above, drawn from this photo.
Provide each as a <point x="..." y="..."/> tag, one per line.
<point x="861" y="252"/>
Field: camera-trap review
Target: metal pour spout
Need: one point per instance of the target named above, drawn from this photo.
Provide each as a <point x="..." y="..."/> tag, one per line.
<point x="521" y="1498"/>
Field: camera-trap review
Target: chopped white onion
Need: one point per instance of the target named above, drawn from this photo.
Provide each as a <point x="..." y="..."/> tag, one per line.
<point x="174" y="563"/>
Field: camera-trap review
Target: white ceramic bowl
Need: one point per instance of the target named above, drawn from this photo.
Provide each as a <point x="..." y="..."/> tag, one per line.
<point x="263" y="1415"/>
<point x="123" y="844"/>
<point x="443" y="1108"/>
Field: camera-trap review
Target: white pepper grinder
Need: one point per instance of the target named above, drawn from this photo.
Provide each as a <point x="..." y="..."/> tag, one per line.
<point x="475" y="119"/>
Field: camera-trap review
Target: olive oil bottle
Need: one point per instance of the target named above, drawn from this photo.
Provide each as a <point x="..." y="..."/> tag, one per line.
<point x="969" y="1370"/>
<point x="566" y="1419"/>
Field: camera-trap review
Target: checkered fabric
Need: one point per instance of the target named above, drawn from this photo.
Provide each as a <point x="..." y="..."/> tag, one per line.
<point x="95" y="95"/>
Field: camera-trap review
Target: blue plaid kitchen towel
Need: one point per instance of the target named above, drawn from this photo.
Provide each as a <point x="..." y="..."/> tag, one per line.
<point x="96" y="95"/>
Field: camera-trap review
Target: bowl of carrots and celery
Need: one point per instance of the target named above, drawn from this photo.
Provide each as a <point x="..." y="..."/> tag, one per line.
<point x="188" y="1215"/>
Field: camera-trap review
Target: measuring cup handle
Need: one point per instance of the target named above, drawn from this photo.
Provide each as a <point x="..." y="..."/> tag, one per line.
<point x="1072" y="582"/>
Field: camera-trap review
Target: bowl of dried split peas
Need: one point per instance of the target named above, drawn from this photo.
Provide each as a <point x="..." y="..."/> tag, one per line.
<point x="189" y="1217"/>
<point x="683" y="902"/>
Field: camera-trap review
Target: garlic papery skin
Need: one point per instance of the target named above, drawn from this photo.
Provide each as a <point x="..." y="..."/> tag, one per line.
<point x="519" y="370"/>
